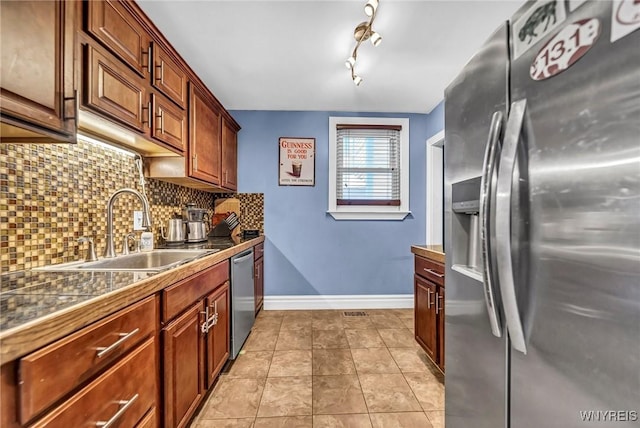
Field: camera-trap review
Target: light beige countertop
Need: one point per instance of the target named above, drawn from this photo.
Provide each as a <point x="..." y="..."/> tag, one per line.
<point x="432" y="252"/>
<point x="37" y="308"/>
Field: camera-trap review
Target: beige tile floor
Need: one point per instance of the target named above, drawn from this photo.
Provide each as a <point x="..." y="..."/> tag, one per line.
<point x="321" y="369"/>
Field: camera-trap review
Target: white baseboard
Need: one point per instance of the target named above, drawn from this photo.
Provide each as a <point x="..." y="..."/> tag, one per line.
<point x="376" y="301"/>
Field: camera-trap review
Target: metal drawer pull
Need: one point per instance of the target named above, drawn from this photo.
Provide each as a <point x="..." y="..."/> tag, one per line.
<point x="123" y="337"/>
<point x="204" y="327"/>
<point x="125" y="405"/>
<point x="433" y="272"/>
<point x="429" y="298"/>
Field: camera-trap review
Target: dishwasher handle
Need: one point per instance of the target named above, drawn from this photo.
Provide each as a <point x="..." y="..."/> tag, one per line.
<point x="242" y="257"/>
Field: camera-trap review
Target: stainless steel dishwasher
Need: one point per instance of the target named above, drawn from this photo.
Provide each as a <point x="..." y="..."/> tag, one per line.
<point x="242" y="300"/>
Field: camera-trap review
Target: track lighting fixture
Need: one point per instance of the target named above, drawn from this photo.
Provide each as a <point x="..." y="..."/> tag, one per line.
<point x="363" y="32"/>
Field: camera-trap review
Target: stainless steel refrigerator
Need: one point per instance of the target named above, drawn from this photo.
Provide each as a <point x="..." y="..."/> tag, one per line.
<point x="542" y="222"/>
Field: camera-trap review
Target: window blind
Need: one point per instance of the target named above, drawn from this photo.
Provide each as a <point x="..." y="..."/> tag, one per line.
<point x="368" y="165"/>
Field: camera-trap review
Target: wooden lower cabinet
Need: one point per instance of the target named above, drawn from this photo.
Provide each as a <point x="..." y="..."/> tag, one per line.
<point x="183" y="369"/>
<point x="217" y="339"/>
<point x="122" y="396"/>
<point x="258" y="284"/>
<point x="429" y="308"/>
<point x="195" y="344"/>
<point x="425" y="316"/>
<point x="440" y="315"/>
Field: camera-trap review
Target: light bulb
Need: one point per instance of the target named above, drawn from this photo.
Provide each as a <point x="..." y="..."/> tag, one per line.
<point x="357" y="80"/>
<point x="375" y="38"/>
<point x="370" y="7"/>
<point x="350" y="62"/>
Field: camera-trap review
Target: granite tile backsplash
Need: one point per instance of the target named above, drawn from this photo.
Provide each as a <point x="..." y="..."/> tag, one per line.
<point x="52" y="194"/>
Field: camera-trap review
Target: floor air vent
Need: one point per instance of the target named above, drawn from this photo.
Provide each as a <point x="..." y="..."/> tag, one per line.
<point x="354" y="314"/>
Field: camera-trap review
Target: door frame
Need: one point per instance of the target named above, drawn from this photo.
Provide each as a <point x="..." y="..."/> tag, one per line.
<point x="435" y="196"/>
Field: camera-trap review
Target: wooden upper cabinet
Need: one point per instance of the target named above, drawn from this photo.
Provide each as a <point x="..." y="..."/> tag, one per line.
<point x="168" y="76"/>
<point x="169" y="122"/>
<point x="113" y="25"/>
<point x="111" y="88"/>
<point x="229" y="156"/>
<point x="36" y="66"/>
<point x="205" y="120"/>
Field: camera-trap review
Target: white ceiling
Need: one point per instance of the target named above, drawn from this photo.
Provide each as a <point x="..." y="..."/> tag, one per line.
<point x="289" y="55"/>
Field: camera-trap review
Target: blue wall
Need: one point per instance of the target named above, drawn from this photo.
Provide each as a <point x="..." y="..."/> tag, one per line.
<point x="307" y="252"/>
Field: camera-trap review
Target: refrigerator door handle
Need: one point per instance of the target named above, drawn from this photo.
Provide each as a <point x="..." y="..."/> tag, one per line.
<point x="503" y="224"/>
<point x="487" y="219"/>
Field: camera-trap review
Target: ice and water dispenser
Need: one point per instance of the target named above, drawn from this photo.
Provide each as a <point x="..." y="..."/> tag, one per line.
<point x="465" y="204"/>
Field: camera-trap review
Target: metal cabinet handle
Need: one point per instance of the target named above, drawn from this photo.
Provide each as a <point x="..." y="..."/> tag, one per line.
<point x="74" y="98"/>
<point x="429" y="298"/>
<point x="147" y="54"/>
<point x="438" y="304"/>
<point x="195" y="162"/>
<point x="214" y="317"/>
<point x="125" y="405"/>
<point x="159" y="77"/>
<point x="433" y="272"/>
<point x="503" y="224"/>
<point x="487" y="220"/>
<point x="160" y="122"/>
<point x="148" y="115"/>
<point x="102" y="351"/>
<point x="204" y="327"/>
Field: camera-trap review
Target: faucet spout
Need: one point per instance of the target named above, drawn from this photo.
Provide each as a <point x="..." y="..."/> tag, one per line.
<point x="110" y="249"/>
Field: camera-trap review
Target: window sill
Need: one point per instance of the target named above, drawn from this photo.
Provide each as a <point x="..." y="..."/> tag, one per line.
<point x="369" y="215"/>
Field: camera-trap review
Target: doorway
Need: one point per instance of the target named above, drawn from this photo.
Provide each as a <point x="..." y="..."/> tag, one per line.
<point x="435" y="189"/>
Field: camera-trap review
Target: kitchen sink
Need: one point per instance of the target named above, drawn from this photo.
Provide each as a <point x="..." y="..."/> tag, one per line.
<point x="152" y="261"/>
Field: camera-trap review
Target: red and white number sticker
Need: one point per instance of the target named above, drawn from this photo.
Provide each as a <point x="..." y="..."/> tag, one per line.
<point x="565" y="48"/>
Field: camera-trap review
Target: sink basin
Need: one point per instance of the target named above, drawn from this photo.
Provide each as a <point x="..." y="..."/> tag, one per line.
<point x="152" y="261"/>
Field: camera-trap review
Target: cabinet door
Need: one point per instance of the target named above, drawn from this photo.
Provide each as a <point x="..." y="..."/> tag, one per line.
<point x="259" y="282"/>
<point x="229" y="157"/>
<point x="218" y="340"/>
<point x="114" y="90"/>
<point x="425" y="315"/>
<point x="169" y="123"/>
<point x="204" y="137"/>
<point x="36" y="65"/>
<point x="113" y="25"/>
<point x="440" y="298"/>
<point x="169" y="77"/>
<point x="183" y="349"/>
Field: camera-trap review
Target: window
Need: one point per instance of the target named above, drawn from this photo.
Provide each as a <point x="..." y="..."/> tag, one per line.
<point x="368" y="168"/>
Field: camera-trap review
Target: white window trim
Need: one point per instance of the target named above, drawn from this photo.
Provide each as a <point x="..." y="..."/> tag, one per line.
<point x="360" y="212"/>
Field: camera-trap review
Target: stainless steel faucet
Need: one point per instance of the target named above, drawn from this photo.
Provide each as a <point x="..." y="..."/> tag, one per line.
<point x="110" y="249"/>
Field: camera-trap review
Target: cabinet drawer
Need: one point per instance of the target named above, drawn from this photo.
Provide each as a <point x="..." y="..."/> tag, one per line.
<point x="52" y="372"/>
<point x="183" y="294"/>
<point x="258" y="251"/>
<point x="124" y="394"/>
<point x="431" y="270"/>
